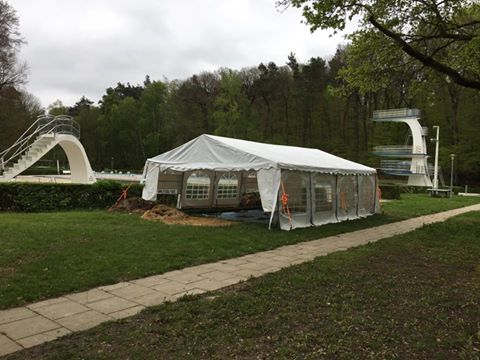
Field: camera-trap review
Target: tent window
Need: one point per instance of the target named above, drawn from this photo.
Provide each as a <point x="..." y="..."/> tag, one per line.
<point x="198" y="186"/>
<point x="296" y="188"/>
<point x="228" y="186"/>
<point x="323" y="197"/>
<point x="250" y="184"/>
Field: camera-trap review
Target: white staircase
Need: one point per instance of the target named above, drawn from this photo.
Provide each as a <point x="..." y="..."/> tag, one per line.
<point x="42" y="145"/>
<point x="38" y="140"/>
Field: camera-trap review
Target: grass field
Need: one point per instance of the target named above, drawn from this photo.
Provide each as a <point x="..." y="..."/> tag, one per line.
<point x="48" y="254"/>
<point x="413" y="296"/>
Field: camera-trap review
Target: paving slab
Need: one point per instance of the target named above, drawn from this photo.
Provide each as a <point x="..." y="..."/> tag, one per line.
<point x="132" y="291"/>
<point x="252" y="266"/>
<point x="89" y="296"/>
<point x="114" y="286"/>
<point x="111" y="305"/>
<point x="47" y="302"/>
<point x="235" y="261"/>
<point x="156" y="298"/>
<point x="217" y="275"/>
<point x="8" y="346"/>
<point x="187" y="277"/>
<point x="151" y="281"/>
<point x="62" y="309"/>
<point x="193" y="291"/>
<point x="122" y="314"/>
<point x="14" y="314"/>
<point x="27" y="327"/>
<point x="199" y="269"/>
<point x="224" y="267"/>
<point x="208" y="285"/>
<point x="234" y="280"/>
<point x="38" y="339"/>
<point x="83" y="321"/>
<point x="173" y="287"/>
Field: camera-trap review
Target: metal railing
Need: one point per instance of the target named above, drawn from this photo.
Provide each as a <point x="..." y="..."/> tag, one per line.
<point x="61" y="124"/>
<point x="393" y="150"/>
<point x="395" y="113"/>
<point x="45" y="124"/>
<point x="399" y="166"/>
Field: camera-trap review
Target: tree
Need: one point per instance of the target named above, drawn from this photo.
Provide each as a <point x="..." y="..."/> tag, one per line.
<point x="153" y="119"/>
<point x="232" y="115"/>
<point x="439" y="34"/>
<point x="12" y="73"/>
<point x="57" y="108"/>
<point x="83" y="103"/>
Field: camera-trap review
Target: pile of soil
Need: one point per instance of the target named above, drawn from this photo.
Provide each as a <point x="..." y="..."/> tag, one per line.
<point x="133" y="205"/>
<point x="171" y="215"/>
<point x="164" y="212"/>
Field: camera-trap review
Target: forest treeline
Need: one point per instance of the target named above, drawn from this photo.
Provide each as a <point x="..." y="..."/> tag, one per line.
<point x="305" y="104"/>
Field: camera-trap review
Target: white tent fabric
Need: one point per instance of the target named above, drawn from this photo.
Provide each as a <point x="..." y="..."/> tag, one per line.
<point x="209" y="152"/>
<point x="216" y="153"/>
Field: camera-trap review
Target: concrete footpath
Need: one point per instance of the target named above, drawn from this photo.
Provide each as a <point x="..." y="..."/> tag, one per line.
<point x="34" y="324"/>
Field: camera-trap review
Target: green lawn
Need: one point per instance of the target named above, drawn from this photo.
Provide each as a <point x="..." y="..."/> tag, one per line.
<point x="413" y="296"/>
<point x="48" y="254"/>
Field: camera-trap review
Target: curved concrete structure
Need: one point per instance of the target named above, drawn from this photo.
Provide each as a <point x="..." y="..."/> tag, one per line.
<point x="81" y="171"/>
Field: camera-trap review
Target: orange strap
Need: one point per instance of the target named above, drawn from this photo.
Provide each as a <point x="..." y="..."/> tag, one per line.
<point x="343" y="201"/>
<point x="285" y="207"/>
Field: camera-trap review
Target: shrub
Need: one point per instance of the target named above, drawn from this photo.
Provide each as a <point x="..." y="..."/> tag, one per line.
<point x="390" y="191"/>
<point x="34" y="197"/>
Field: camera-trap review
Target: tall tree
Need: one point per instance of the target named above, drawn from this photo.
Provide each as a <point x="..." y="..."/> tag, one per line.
<point x="12" y="73"/>
<point x="442" y="35"/>
<point x="232" y="115"/>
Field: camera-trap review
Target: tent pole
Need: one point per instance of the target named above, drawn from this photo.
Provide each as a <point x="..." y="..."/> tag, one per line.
<point x="336" y="197"/>
<point x="358" y="195"/>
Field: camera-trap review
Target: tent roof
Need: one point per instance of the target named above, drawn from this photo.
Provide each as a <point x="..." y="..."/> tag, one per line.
<point x="209" y="152"/>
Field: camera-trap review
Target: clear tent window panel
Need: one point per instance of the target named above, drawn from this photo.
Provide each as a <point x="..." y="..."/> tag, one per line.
<point x="367" y="193"/>
<point x="228" y="186"/>
<point x="347" y="197"/>
<point x="324" y="189"/>
<point x="198" y="186"/>
<point x="323" y="198"/>
<point x="296" y="186"/>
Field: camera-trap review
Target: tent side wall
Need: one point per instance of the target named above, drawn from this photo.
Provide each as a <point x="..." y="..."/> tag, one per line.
<point x="311" y="199"/>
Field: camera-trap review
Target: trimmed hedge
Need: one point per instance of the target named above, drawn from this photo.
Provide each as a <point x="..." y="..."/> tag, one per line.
<point x="390" y="192"/>
<point x="36" y="197"/>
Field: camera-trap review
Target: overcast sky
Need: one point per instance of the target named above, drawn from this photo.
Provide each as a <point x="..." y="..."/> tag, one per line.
<point x="81" y="47"/>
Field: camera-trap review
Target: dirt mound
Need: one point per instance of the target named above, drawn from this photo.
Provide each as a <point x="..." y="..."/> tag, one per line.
<point x="164" y="212"/>
<point x="133" y="205"/>
<point x="171" y="215"/>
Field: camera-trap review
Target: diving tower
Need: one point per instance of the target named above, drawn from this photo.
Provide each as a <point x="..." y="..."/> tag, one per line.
<point x="405" y="160"/>
<point x="41" y="137"/>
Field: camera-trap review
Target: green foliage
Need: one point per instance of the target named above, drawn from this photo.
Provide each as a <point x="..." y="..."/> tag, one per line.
<point x="391" y="192"/>
<point x="441" y="35"/>
<point x="35" y="197"/>
<point x="232" y="114"/>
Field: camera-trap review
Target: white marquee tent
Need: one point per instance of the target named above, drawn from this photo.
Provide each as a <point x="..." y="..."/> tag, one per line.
<point x="306" y="186"/>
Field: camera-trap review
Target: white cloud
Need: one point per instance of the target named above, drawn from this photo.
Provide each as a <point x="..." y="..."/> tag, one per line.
<point x="80" y="48"/>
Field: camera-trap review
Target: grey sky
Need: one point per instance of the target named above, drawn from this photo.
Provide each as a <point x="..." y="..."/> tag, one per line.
<point x="77" y="48"/>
